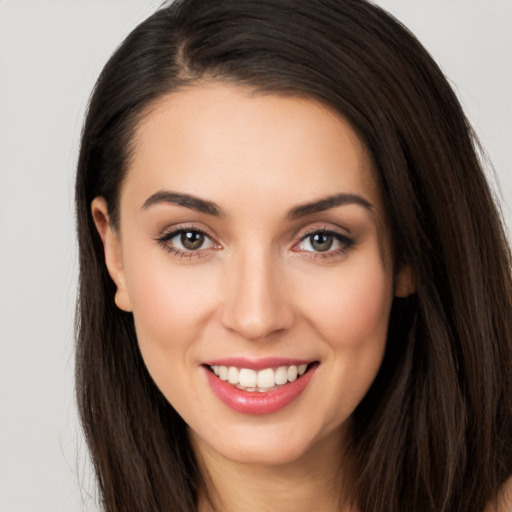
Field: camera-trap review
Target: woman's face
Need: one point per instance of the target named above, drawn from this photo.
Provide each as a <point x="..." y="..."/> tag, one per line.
<point x="252" y="245"/>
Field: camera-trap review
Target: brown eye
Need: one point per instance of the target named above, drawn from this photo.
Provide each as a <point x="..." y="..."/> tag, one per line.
<point x="186" y="241"/>
<point x="192" y="240"/>
<point x="321" y="242"/>
<point x="329" y="242"/>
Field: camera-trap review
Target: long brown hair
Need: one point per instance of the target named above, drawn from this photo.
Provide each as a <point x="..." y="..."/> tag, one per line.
<point x="434" y="432"/>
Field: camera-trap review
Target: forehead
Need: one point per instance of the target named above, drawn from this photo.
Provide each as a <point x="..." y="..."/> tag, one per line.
<point x="221" y="140"/>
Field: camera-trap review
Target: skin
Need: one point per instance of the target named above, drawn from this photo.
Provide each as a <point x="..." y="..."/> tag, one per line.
<point x="257" y="287"/>
<point x="503" y="501"/>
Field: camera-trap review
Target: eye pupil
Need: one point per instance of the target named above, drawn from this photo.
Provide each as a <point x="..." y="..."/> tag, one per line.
<point x="192" y="240"/>
<point x="321" y="241"/>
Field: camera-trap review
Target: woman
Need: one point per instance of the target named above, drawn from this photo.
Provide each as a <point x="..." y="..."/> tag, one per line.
<point x="295" y="288"/>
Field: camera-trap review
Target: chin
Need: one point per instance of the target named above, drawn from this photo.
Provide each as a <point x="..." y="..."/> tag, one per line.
<point x="267" y="455"/>
<point x="268" y="445"/>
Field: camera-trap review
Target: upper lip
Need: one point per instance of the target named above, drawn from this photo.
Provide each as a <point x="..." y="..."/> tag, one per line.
<point x="258" y="364"/>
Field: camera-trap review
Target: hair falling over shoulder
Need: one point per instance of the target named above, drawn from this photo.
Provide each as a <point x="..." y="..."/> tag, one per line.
<point x="434" y="433"/>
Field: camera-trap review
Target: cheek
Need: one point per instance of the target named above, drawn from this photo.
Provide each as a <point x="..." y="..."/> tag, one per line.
<point x="351" y="313"/>
<point x="170" y="306"/>
<point x="351" y="305"/>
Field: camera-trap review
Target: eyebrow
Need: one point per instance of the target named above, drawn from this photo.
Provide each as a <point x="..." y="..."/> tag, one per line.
<point x="327" y="203"/>
<point x="210" y="208"/>
<point x="186" y="200"/>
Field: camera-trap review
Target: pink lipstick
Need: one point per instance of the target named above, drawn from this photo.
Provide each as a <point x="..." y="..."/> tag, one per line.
<point x="257" y="387"/>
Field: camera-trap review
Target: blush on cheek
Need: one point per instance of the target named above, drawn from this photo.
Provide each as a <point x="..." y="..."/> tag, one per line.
<point x="165" y="291"/>
<point x="170" y="307"/>
<point x="354" y="310"/>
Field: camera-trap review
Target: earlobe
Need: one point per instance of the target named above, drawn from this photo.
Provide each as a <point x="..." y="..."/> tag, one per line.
<point x="405" y="282"/>
<point x="112" y="251"/>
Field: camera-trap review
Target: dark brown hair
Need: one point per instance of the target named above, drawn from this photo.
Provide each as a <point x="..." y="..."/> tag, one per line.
<point x="434" y="433"/>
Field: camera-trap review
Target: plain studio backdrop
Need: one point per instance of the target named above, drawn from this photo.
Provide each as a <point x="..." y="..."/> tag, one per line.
<point x="51" y="52"/>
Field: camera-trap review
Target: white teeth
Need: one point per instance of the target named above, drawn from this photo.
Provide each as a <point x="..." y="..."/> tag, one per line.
<point x="223" y="373"/>
<point x="263" y="380"/>
<point x="266" y="378"/>
<point x="281" y="375"/>
<point x="248" y="378"/>
<point x="233" y="375"/>
<point x="292" y="373"/>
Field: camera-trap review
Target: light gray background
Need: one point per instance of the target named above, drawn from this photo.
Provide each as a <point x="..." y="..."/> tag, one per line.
<point x="51" y="51"/>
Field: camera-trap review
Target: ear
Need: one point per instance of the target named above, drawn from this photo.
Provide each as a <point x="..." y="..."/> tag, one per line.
<point x="112" y="250"/>
<point x="405" y="282"/>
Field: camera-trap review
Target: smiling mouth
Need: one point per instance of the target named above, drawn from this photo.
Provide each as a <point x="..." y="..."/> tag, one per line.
<point x="267" y="379"/>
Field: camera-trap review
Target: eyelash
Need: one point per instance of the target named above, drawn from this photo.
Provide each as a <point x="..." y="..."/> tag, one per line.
<point x="166" y="238"/>
<point x="345" y="243"/>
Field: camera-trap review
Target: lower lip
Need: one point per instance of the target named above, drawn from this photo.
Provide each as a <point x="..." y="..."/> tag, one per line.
<point x="258" y="403"/>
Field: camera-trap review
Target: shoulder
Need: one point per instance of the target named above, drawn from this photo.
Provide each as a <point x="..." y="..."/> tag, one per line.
<point x="504" y="499"/>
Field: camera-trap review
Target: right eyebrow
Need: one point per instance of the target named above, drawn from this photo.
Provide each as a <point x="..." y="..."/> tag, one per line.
<point x="186" y="200"/>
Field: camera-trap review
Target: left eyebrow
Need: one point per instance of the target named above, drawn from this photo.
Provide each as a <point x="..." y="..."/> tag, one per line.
<point x="185" y="200"/>
<point x="328" y="203"/>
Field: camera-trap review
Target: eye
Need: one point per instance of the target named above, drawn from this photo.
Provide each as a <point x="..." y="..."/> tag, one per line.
<point x="324" y="242"/>
<point x="191" y="240"/>
<point x="319" y="242"/>
<point x="186" y="241"/>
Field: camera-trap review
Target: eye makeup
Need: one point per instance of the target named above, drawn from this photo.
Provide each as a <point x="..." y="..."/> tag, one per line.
<point x="192" y="242"/>
<point x="187" y="242"/>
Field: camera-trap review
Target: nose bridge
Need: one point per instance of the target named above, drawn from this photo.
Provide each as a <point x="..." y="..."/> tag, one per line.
<point x="256" y="304"/>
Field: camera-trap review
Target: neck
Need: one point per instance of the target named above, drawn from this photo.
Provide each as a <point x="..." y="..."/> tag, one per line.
<point x="311" y="482"/>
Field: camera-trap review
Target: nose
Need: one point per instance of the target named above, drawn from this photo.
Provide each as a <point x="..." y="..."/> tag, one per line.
<point x="256" y="302"/>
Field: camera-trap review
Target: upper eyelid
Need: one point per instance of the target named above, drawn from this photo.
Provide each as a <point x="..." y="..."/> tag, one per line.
<point x="171" y="231"/>
<point x="339" y="236"/>
<point x="323" y="228"/>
